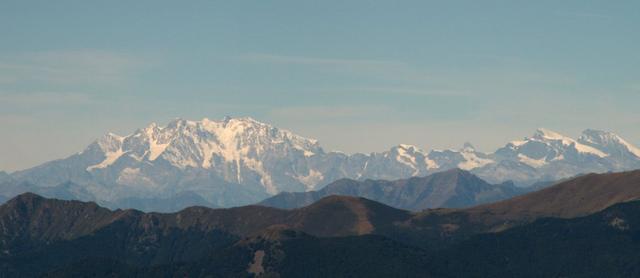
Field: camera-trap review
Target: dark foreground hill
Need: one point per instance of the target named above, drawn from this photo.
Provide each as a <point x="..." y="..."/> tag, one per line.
<point x="573" y="198"/>
<point x="449" y="189"/>
<point x="336" y="236"/>
<point x="604" y="244"/>
<point x="39" y="235"/>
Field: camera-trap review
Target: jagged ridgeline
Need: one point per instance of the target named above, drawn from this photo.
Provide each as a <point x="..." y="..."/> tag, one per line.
<point x="239" y="161"/>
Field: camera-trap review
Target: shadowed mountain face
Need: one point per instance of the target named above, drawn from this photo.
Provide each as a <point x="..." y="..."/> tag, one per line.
<point x="34" y="218"/>
<point x="450" y="189"/>
<point x="599" y="245"/>
<point x="333" y="215"/>
<point x="576" y="197"/>
<point x="174" y="203"/>
<point x="573" y="198"/>
<point x="335" y="236"/>
<point x="604" y="244"/>
<point x="4" y="177"/>
<point x="39" y="234"/>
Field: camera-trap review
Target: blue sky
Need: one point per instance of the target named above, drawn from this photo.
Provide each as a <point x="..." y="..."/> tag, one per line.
<point x="357" y="75"/>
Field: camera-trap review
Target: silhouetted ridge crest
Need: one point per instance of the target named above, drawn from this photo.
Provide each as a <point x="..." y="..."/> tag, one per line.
<point x="453" y="189"/>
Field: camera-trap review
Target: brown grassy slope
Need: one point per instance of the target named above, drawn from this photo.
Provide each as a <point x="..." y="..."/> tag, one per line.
<point x="31" y="217"/>
<point x="577" y="197"/>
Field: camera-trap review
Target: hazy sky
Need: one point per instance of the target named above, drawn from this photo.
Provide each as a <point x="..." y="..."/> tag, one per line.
<point x="357" y="75"/>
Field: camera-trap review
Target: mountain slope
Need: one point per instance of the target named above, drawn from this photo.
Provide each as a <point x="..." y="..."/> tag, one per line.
<point x="240" y="161"/>
<point x="576" y="197"/>
<point x="353" y="237"/>
<point x="235" y="161"/>
<point x="330" y="216"/>
<point x="38" y="234"/>
<point x="48" y="220"/>
<point x="548" y="155"/>
<point x="572" y="198"/>
<point x="603" y="244"/>
<point x="4" y="177"/>
<point x="623" y="154"/>
<point x="449" y="189"/>
<point x="599" y="245"/>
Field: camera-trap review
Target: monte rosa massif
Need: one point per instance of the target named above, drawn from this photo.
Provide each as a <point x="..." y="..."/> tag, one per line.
<point x="239" y="161"/>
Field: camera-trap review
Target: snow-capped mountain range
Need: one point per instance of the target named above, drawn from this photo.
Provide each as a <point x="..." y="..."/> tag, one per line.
<point x="237" y="161"/>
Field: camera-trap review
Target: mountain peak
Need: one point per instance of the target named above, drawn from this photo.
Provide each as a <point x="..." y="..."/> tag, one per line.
<point x="548" y="135"/>
<point x="248" y="159"/>
<point x="110" y="142"/>
<point x="113" y="135"/>
<point x="454" y="171"/>
<point x="25" y="201"/>
<point x="596" y="134"/>
<point x="459" y="174"/>
<point x="177" y="123"/>
<point x="408" y="147"/>
<point x="239" y="146"/>
<point x="543" y="133"/>
<point x="26" y="197"/>
<point x="227" y="119"/>
<point x="607" y="141"/>
<point x="468" y="147"/>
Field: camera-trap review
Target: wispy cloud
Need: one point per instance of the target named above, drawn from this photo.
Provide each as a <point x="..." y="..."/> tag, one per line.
<point x="68" y="67"/>
<point x="411" y="91"/>
<point x="387" y="69"/>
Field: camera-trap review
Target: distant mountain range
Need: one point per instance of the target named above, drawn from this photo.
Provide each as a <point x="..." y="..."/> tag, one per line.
<point x="239" y="161"/>
<point x="594" y="233"/>
<point x="449" y="189"/>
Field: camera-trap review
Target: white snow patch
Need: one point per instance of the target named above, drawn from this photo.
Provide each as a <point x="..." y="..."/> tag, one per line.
<point x="207" y="154"/>
<point x="111" y="157"/>
<point x="545" y="134"/>
<point x="311" y="180"/>
<point x="265" y="178"/>
<point x="633" y="149"/>
<point x="600" y="138"/>
<point x="407" y="158"/>
<point x="156" y="149"/>
<point x="535" y="163"/>
<point x="518" y="143"/>
<point x="130" y="171"/>
<point x="587" y="149"/>
<point x="472" y="161"/>
<point x="364" y="169"/>
<point x="431" y="164"/>
<point x="549" y="134"/>
<point x="132" y="176"/>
